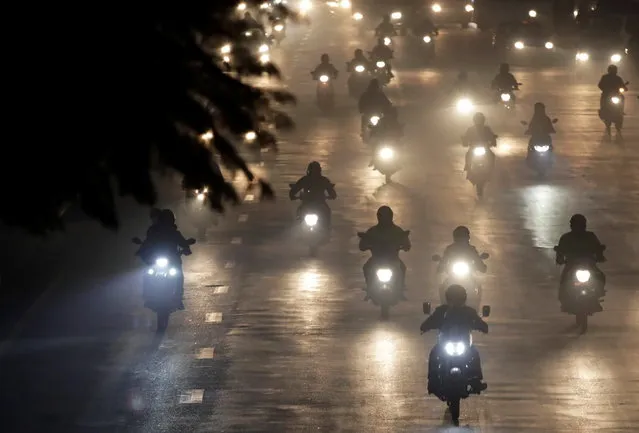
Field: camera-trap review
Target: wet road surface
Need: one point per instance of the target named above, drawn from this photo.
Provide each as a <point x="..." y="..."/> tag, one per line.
<point x="275" y="341"/>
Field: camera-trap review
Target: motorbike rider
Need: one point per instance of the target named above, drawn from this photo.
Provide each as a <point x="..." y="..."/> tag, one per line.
<point x="579" y="244"/>
<point x="314" y="189"/>
<point x="609" y="84"/>
<point x="424" y="26"/>
<point x="479" y="133"/>
<point x="325" y="67"/>
<point x="385" y="28"/>
<point x="461" y="247"/>
<point x="373" y="100"/>
<point x="540" y="127"/>
<point x="455" y="315"/>
<point x="382" y="52"/>
<point x="389" y="126"/>
<point x="384" y="240"/>
<point x="358" y="59"/>
<point x="504" y="80"/>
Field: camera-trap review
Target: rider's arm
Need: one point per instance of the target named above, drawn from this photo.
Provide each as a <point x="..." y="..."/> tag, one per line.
<point x="479" y="263"/>
<point x="491" y="136"/>
<point x="330" y="190"/>
<point x="406" y="245"/>
<point x="435" y="320"/>
<point x="479" y="324"/>
<point x="560" y="251"/>
<point x="181" y="240"/>
<point x="295" y="189"/>
<point x="364" y="242"/>
<point x="602" y="83"/>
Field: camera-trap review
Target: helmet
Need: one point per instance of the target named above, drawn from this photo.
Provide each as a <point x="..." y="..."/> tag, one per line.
<point x="578" y="222"/>
<point x="479" y="119"/>
<point x="540" y="108"/>
<point x="314" y="168"/>
<point x="374" y="84"/>
<point x="456" y="295"/>
<point x="384" y="215"/>
<point x="154" y="214"/>
<point x="612" y="69"/>
<point x="167" y="217"/>
<point x="504" y="67"/>
<point x="325" y="58"/>
<point x="358" y="53"/>
<point x="461" y="233"/>
<point x="462" y="76"/>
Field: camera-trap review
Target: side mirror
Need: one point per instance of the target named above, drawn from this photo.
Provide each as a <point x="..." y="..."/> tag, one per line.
<point x="555" y="120"/>
<point x="437" y="258"/>
<point x="485" y="311"/>
<point x="484" y="256"/>
<point x="426" y="307"/>
<point x="627" y="82"/>
<point x="190" y="241"/>
<point x="523" y="122"/>
<point x="136" y="240"/>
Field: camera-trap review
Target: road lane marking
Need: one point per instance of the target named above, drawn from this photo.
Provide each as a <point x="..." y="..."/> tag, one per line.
<point x="236" y="241"/>
<point x="213" y="317"/>
<point x="230" y="264"/>
<point x="249" y="197"/>
<point x="243" y="218"/>
<point x="221" y="290"/>
<point x="205" y="353"/>
<point x="192" y="396"/>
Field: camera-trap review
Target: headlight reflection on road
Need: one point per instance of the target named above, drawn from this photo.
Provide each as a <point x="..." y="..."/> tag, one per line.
<point x="542" y="213"/>
<point x="309" y="281"/>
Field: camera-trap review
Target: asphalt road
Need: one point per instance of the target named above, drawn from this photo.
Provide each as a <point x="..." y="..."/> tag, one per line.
<point x="274" y="341"/>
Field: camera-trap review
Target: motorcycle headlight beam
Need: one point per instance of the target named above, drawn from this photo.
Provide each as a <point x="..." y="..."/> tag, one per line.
<point x="358" y="16"/>
<point x="396" y="16"/>
<point x="323" y="78"/>
<point x="465" y="105"/>
<point x="582" y="275"/>
<point x="384" y="275"/>
<point x="359" y="68"/>
<point x="615" y="100"/>
<point x="436" y="8"/>
<point x="386" y="153"/>
<point x="279" y="27"/>
<point x="380" y="64"/>
<point x="461" y="269"/>
<point x="311" y="220"/>
<point x="505" y="97"/>
<point x="162" y="262"/>
<point x="615" y="58"/>
<point x="387" y="41"/>
<point x="549" y="45"/>
<point x="455" y="348"/>
<point x="519" y="45"/>
<point x="542" y="149"/>
<point x="427" y="39"/>
<point x="263" y="48"/>
<point x="374" y="120"/>
<point x="582" y="56"/>
<point x="479" y="151"/>
<point x="469" y="8"/>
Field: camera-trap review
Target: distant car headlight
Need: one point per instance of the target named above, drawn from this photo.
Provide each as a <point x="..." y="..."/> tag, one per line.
<point x="323" y="79"/>
<point x="519" y="45"/>
<point x="427" y="39"/>
<point x="263" y="48"/>
<point x="469" y="8"/>
<point x="505" y="97"/>
<point x="380" y="64"/>
<point x="278" y="27"/>
<point x="455" y="349"/>
<point x="615" y="100"/>
<point x="386" y="153"/>
<point x="162" y="262"/>
<point x="311" y="220"/>
<point x="465" y="105"/>
<point x="615" y="58"/>
<point x="384" y="275"/>
<point x="582" y="276"/>
<point x="396" y="16"/>
<point x="479" y="151"/>
<point x="358" y="16"/>
<point x="436" y="8"/>
<point x="542" y="149"/>
<point x="359" y="68"/>
<point x="549" y="45"/>
<point x="582" y="56"/>
<point x="374" y="120"/>
<point x="461" y="269"/>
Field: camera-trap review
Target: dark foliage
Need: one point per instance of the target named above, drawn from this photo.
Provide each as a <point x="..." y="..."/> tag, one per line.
<point x="100" y="95"/>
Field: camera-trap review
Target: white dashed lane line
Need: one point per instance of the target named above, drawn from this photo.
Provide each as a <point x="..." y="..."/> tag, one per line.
<point x="205" y="353"/>
<point x="229" y="264"/>
<point x="236" y="241"/>
<point x="249" y="197"/>
<point x="221" y="290"/>
<point x="213" y="317"/>
<point x="192" y="396"/>
<point x="242" y="218"/>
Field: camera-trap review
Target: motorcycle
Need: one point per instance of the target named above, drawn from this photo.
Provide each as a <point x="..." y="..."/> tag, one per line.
<point x="540" y="153"/>
<point x="278" y="31"/>
<point x="358" y="80"/>
<point x="369" y="122"/>
<point x="358" y="17"/>
<point x="386" y="290"/>
<point x="428" y="44"/>
<point x="453" y="367"/>
<point x="198" y="209"/>
<point x="386" y="160"/>
<point x="464" y="105"/>
<point x="314" y="227"/>
<point x="161" y="282"/>
<point x="583" y="292"/>
<point x="507" y="97"/>
<point x="398" y="21"/>
<point x="613" y="110"/>
<point x="481" y="165"/>
<point x="325" y="93"/>
<point x="461" y="271"/>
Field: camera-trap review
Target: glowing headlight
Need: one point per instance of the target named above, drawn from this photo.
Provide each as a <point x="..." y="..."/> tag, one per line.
<point x="615" y="58"/>
<point x="549" y="45"/>
<point x="201" y="196"/>
<point x="264" y="5"/>
<point x="226" y="49"/>
<point x="311" y="220"/>
<point x="427" y="39"/>
<point x="436" y="8"/>
<point x="263" y="48"/>
<point x="226" y="59"/>
<point x="359" y="68"/>
<point x="455" y="349"/>
<point x="582" y="56"/>
<point x="469" y="8"/>
<point x="250" y="136"/>
<point x="542" y="149"/>
<point x="621" y="90"/>
<point x="380" y="64"/>
<point x="278" y="27"/>
<point x="357" y="16"/>
<point x="207" y="136"/>
<point x="461" y="269"/>
<point x="265" y="58"/>
<point x="386" y="153"/>
<point x="575" y="13"/>
<point x="241" y="7"/>
<point x="519" y="45"/>
<point x="150" y="271"/>
<point x="615" y="99"/>
<point x="582" y="276"/>
<point x="345" y="4"/>
<point x="173" y="272"/>
<point x="532" y="13"/>
<point x="384" y="275"/>
<point x="324" y="79"/>
<point x="162" y="262"/>
<point x="396" y="16"/>
<point x="387" y="41"/>
<point x="305" y="5"/>
<point x="374" y="120"/>
<point x="479" y="151"/>
<point x="505" y="97"/>
<point x="464" y="105"/>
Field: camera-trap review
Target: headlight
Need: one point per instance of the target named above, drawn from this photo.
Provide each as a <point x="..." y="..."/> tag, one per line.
<point x="345" y="4"/>
<point x="324" y="78"/>
<point x="305" y="5"/>
<point x="615" y="99"/>
<point x="479" y="151"/>
<point x="549" y="45"/>
<point x="436" y="8"/>
<point x="357" y="16"/>
<point x="505" y="97"/>
<point x="226" y="59"/>
<point x="265" y="58"/>
<point x="279" y="27"/>
<point x="621" y="90"/>
<point x="173" y="272"/>
<point x="263" y="48"/>
<point x="427" y="39"/>
<point x="469" y="8"/>
<point x="582" y="276"/>
<point x="264" y="5"/>
<point x="455" y="349"/>
<point x="542" y="149"/>
<point x="380" y="64"/>
<point x="311" y="220"/>
<point x="396" y="16"/>
<point x="386" y="153"/>
<point x="374" y="120"/>
<point x="461" y="269"/>
<point x="464" y="105"/>
<point x="201" y="196"/>
<point x="384" y="275"/>
<point x="519" y="45"/>
<point x="582" y="56"/>
<point x="207" y="136"/>
<point x="387" y="41"/>
<point x="250" y="136"/>
<point x="532" y="13"/>
<point x="162" y="262"/>
<point x="615" y="58"/>
<point x="241" y="7"/>
<point x="359" y="68"/>
<point x="226" y="49"/>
